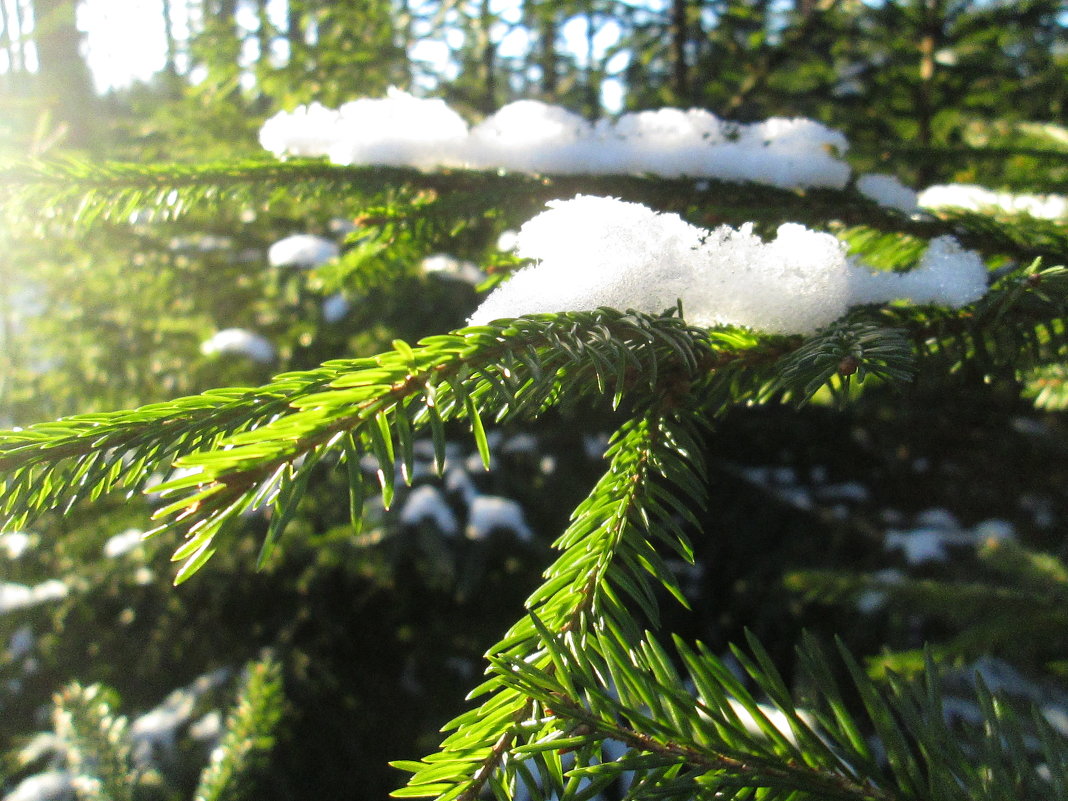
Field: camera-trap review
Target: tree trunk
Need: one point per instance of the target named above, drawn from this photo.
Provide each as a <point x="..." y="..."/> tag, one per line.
<point x="680" y="71"/>
<point x="593" y="80"/>
<point x="547" y="56"/>
<point x="488" y="58"/>
<point x="929" y="41"/>
<point x="14" y="27"/>
<point x="63" y="76"/>
<point x="264" y="34"/>
<point x="170" y="66"/>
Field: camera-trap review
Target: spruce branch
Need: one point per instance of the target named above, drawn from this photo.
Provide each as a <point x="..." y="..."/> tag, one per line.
<point x="242" y="449"/>
<point x="608" y="557"/>
<point x="85" y="193"/>
<point x="250" y="732"/>
<point x="97" y="743"/>
<point x="721" y="743"/>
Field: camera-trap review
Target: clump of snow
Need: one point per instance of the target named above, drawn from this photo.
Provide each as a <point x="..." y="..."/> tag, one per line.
<point x="921" y="545"/>
<point x="398" y="130"/>
<point x="427" y="502"/>
<point x="507" y="240"/>
<point x="531" y="136"/>
<point x="458" y="482"/>
<point x="16" y="543"/>
<point x="445" y="266"/>
<point x="594" y="251"/>
<point x="335" y="307"/>
<point x="488" y="513"/>
<point x="239" y="342"/>
<point x="977" y="198"/>
<point x="994" y="530"/>
<point x="123" y="543"/>
<point x="19" y="596"/>
<point x="888" y="191"/>
<point x="947" y="275"/>
<point x="936" y="529"/>
<point x="52" y="785"/>
<point x="154" y="733"/>
<point x="302" y="250"/>
<point x="208" y="728"/>
<point x="873" y="600"/>
<point x="21" y="642"/>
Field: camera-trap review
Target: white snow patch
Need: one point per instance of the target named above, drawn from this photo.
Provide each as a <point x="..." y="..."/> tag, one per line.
<point x="531" y="136"/>
<point x="458" y="481"/>
<point x="445" y="266"/>
<point x="522" y="443"/>
<point x="154" y="733"/>
<point x="335" y="307"/>
<point x="938" y="517"/>
<point x="920" y="545"/>
<point x="208" y="728"/>
<point x="123" y="543"/>
<point x="52" y="785"/>
<point x="21" y="642"/>
<point x="874" y="599"/>
<point x="426" y="502"/>
<point x="970" y="197"/>
<point x="16" y="543"/>
<point x="398" y="130"/>
<point x="774" y="716"/>
<point x="239" y="342"/>
<point x="19" y="596"/>
<point x="994" y="530"/>
<point x="888" y="191"/>
<point x="594" y="251"/>
<point x="488" y="513"/>
<point x="507" y="240"/>
<point x="302" y="250"/>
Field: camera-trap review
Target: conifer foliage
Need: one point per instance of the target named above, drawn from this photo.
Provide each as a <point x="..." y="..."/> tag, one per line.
<point x="345" y="448"/>
<point x="581" y="696"/>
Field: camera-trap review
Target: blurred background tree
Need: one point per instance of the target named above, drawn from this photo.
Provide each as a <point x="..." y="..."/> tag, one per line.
<point x="379" y="635"/>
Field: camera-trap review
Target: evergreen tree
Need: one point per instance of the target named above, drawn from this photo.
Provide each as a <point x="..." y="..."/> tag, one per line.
<point x="297" y="485"/>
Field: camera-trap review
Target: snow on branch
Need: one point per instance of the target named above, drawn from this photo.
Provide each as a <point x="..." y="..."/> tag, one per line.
<point x="530" y="136"/>
<point x="970" y="197"/>
<point x="591" y="252"/>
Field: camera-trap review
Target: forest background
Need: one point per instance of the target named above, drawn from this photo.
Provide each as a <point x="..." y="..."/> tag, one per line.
<point x="379" y="636"/>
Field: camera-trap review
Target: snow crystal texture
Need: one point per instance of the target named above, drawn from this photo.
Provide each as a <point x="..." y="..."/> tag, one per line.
<point x="531" y="136"/>
<point x="594" y="251"/>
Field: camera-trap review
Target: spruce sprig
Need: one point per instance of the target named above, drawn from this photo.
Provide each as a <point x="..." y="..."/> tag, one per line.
<point x="609" y="564"/>
<point x="701" y="732"/>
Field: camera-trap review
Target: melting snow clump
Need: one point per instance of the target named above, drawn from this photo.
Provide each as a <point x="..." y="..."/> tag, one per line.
<point x="301" y="250"/>
<point x="594" y="251"/>
<point x="239" y="342"/>
<point x="531" y="136"/>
